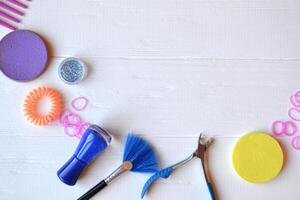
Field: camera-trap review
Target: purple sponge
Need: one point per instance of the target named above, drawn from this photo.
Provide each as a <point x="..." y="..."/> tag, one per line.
<point x="23" y="55"/>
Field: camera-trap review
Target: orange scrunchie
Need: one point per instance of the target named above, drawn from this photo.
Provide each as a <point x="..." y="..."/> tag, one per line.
<point x="31" y="102"/>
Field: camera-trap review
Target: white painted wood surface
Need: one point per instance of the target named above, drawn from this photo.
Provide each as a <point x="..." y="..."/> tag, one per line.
<point x="164" y="69"/>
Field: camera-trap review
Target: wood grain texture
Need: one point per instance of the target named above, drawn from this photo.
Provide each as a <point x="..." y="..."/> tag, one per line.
<point x="224" y="29"/>
<point x="166" y="70"/>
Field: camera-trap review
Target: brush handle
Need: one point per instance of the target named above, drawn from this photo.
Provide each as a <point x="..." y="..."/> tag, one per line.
<point x="7" y="25"/>
<point x="10" y="17"/>
<point x="211" y="191"/>
<point x="18" y="3"/>
<point x="11" y="9"/>
<point x="89" y="194"/>
<point x="97" y="188"/>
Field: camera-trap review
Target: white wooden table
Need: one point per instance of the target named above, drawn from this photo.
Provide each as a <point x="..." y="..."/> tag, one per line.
<point x="166" y="70"/>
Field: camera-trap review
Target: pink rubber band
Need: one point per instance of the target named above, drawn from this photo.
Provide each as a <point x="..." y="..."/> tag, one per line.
<point x="73" y="125"/>
<point x="296" y="142"/>
<point x="62" y="117"/>
<point x="282" y="128"/>
<point x="73" y="128"/>
<point x="297" y="97"/>
<point x="293" y="127"/>
<point x="81" y="129"/>
<point x="295" y="100"/>
<point x="75" y="107"/>
<point x="65" y="121"/>
<point x="69" y="118"/>
<point x="72" y="119"/>
<point x="297" y="93"/>
<point x="290" y="114"/>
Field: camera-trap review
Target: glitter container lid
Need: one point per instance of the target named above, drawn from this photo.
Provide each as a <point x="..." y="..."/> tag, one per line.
<point x="72" y="70"/>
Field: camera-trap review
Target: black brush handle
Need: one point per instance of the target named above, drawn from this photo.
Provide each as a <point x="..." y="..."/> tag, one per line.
<point x="89" y="194"/>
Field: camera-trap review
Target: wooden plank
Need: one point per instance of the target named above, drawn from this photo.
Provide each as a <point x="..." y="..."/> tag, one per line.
<point x="166" y="70"/>
<point x="36" y="159"/>
<point x="168" y="98"/>
<point x="169" y="28"/>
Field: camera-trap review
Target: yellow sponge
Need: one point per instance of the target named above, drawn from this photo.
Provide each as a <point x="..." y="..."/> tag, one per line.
<point x="257" y="157"/>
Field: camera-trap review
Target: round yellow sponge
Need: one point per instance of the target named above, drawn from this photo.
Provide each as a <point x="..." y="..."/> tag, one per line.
<point x="257" y="157"/>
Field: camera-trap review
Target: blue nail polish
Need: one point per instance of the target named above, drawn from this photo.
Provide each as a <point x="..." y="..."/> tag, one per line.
<point x="94" y="141"/>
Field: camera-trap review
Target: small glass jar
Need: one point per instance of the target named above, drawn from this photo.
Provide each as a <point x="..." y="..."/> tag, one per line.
<point x="72" y="70"/>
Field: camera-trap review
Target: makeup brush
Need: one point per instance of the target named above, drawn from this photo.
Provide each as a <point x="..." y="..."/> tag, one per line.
<point x="138" y="157"/>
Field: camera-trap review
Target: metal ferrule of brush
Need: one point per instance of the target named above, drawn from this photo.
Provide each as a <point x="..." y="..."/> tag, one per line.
<point x="126" y="166"/>
<point x="183" y="162"/>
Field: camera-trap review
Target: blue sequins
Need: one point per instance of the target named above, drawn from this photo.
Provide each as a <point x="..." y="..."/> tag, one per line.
<point x="72" y="70"/>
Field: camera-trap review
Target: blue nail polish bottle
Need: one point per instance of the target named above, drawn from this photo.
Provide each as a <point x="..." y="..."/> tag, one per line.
<point x="93" y="142"/>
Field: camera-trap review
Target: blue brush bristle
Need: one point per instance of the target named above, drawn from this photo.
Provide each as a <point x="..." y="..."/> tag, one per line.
<point x="140" y="154"/>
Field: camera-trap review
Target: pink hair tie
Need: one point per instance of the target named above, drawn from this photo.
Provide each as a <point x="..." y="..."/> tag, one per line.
<point x="73" y="128"/>
<point x="78" y="108"/>
<point x="71" y="119"/>
<point x="81" y="128"/>
<point x="293" y="112"/>
<point x="293" y="129"/>
<point x="296" y="142"/>
<point x="295" y="100"/>
<point x="282" y="128"/>
<point x="62" y="117"/>
<point x="72" y="123"/>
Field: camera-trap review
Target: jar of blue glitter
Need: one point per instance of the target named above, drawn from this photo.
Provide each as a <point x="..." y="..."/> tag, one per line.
<point x="72" y="70"/>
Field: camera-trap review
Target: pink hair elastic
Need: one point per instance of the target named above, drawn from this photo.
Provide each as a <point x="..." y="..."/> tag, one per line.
<point x="80" y="108"/>
<point x="68" y="118"/>
<point x="295" y="100"/>
<point x="293" y="129"/>
<point x="71" y="119"/>
<point x="284" y="128"/>
<point x="295" y="111"/>
<point x="72" y="128"/>
<point x="81" y="129"/>
<point x="62" y="117"/>
<point x="76" y="130"/>
<point x="71" y="122"/>
<point x="73" y="125"/>
<point x="296" y="142"/>
<point x="281" y="125"/>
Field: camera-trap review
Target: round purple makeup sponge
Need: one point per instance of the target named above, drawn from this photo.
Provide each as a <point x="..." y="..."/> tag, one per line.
<point x="23" y="55"/>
